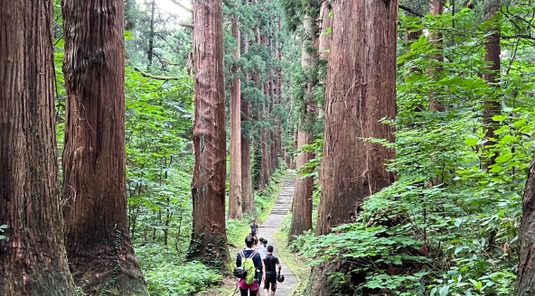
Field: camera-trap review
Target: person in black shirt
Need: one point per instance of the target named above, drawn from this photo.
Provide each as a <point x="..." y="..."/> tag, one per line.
<point x="271" y="263"/>
<point x="254" y="228"/>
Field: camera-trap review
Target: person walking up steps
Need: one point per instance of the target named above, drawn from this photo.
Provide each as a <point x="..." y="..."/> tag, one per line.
<point x="241" y="260"/>
<point x="254" y="228"/>
<point x="271" y="262"/>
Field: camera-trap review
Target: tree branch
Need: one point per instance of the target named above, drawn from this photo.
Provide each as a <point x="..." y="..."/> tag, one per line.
<point x="189" y="26"/>
<point x="407" y="9"/>
<point x="182" y="6"/>
<point x="145" y="74"/>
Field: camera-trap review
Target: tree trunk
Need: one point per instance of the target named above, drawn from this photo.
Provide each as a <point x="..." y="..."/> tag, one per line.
<point x="235" y="210"/>
<point x="526" y="267"/>
<point x="326" y="33"/>
<point x="492" y="56"/>
<point x="361" y="89"/>
<point x="209" y="238"/>
<point x="151" y="35"/>
<point x="304" y="187"/>
<point x="247" y="181"/>
<point x="32" y="257"/>
<point x="101" y="256"/>
<point x="434" y="105"/>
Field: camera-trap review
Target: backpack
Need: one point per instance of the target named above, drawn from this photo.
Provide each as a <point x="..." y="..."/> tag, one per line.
<point x="247" y="264"/>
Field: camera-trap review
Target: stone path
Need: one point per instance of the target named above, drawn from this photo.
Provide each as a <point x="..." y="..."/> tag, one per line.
<point x="272" y="223"/>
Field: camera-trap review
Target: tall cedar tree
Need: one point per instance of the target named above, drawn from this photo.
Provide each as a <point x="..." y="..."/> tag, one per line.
<point x="304" y="187"/>
<point x="526" y="265"/>
<point x="492" y="56"/>
<point x="32" y="257"/>
<point x="247" y="179"/>
<point x="235" y="210"/>
<point x="361" y="90"/>
<point x="326" y="35"/>
<point x="209" y="237"/>
<point x="99" y="249"/>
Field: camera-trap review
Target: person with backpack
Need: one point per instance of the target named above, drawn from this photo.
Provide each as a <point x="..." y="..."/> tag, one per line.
<point x="271" y="263"/>
<point x="250" y="261"/>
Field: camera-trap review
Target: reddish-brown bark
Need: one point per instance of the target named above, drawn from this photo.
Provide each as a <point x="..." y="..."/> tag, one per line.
<point x="361" y="89"/>
<point x="492" y="56"/>
<point x="526" y="267"/>
<point x="209" y="237"/>
<point x="326" y="30"/>
<point x="247" y="180"/>
<point x="304" y="187"/>
<point x="235" y="210"/>
<point x="32" y="257"/>
<point x="99" y="249"/>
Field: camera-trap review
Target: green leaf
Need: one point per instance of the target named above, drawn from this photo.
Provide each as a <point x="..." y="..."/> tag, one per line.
<point x="471" y="141"/>
<point x="507" y="139"/>
<point x="499" y="117"/>
<point x="479" y="286"/>
<point x="444" y="291"/>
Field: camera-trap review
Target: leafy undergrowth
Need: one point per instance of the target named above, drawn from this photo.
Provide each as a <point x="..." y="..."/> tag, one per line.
<point x="294" y="261"/>
<point x="171" y="277"/>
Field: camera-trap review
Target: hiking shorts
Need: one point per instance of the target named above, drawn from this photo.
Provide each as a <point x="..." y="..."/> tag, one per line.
<point x="271" y="280"/>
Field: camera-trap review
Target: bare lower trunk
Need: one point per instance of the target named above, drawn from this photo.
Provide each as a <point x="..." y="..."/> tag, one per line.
<point x="526" y="267"/>
<point x="101" y="256"/>
<point x="235" y="210"/>
<point x="302" y="202"/>
<point x="361" y="89"/>
<point x="492" y="105"/>
<point x="32" y="256"/>
<point x="209" y="238"/>
<point x="326" y="33"/>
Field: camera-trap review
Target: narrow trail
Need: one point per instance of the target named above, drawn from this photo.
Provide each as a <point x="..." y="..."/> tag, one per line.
<point x="270" y="225"/>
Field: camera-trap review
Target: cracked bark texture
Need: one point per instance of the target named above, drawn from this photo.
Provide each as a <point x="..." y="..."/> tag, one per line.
<point x="32" y="257"/>
<point x="209" y="237"/>
<point x="525" y="285"/>
<point x="101" y="256"/>
<point x="361" y="90"/>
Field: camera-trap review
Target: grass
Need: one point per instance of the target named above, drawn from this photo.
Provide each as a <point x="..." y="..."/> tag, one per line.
<point x="295" y="262"/>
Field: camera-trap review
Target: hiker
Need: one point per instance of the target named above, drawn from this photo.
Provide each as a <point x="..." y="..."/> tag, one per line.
<point x="257" y="249"/>
<point x="254" y="228"/>
<point x="271" y="262"/>
<point x="262" y="247"/>
<point x="250" y="254"/>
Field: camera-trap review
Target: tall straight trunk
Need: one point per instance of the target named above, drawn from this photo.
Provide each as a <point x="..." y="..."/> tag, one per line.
<point x="326" y="33"/>
<point x="151" y="35"/>
<point x="436" y="9"/>
<point x="526" y="266"/>
<point x="235" y="210"/>
<point x="304" y="187"/>
<point x="492" y="56"/>
<point x="247" y="181"/>
<point x="101" y="256"/>
<point x="361" y="89"/>
<point x="32" y="257"/>
<point x="258" y="155"/>
<point x="209" y="238"/>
